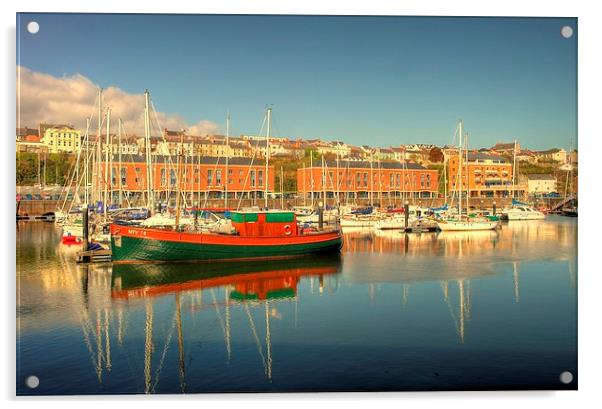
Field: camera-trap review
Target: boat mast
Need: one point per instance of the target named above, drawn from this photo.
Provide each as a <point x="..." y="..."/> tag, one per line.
<point x="371" y="181"/>
<point x="149" y="171"/>
<point x="466" y="169"/>
<point x="514" y="172"/>
<point x="107" y="176"/>
<point x="267" y="155"/>
<point x="281" y="187"/>
<point x="324" y="181"/>
<point x="96" y="186"/>
<point x="445" y="177"/>
<point x="304" y="185"/>
<point x="311" y="174"/>
<point x="179" y="181"/>
<point x="87" y="163"/>
<point x="119" y="166"/>
<point x="460" y="168"/>
<point x="338" y="182"/>
<point x="227" y="157"/>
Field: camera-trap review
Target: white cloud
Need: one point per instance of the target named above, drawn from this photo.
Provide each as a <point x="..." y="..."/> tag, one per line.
<point x="71" y="99"/>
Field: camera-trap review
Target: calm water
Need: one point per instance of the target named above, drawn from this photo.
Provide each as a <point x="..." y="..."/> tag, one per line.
<point x="480" y="310"/>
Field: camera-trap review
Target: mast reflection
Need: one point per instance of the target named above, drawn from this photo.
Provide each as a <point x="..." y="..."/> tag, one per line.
<point x="246" y="284"/>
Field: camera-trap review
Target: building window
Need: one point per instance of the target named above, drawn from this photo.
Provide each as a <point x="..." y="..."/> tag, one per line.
<point x="422" y="181"/>
<point x="260" y="178"/>
<point x="172" y="177"/>
<point x="252" y="178"/>
<point x="428" y="180"/>
<point x="163" y="176"/>
<point x="218" y="177"/>
<point x="398" y="180"/>
<point x="123" y="176"/>
<point x="366" y="179"/>
<point x="209" y="177"/>
<point x="113" y="177"/>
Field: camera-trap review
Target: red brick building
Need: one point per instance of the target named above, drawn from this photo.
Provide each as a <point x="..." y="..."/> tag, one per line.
<point x="483" y="175"/>
<point x="360" y="179"/>
<point x="207" y="178"/>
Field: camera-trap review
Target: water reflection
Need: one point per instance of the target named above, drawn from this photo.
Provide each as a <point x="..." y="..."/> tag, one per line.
<point x="246" y="285"/>
<point x="158" y="328"/>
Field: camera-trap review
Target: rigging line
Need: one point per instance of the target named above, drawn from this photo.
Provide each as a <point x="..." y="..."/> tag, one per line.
<point x="164" y="353"/>
<point x="453" y="315"/>
<point x="214" y="174"/>
<point x="259" y="346"/>
<point x="86" y="334"/>
<point x="77" y="186"/>
<point x="219" y="314"/>
<point x="246" y="180"/>
<point x="128" y="155"/>
<point x="455" y="185"/>
<point x="156" y="116"/>
<point x="250" y="165"/>
<point x="170" y="163"/>
<point x="71" y="173"/>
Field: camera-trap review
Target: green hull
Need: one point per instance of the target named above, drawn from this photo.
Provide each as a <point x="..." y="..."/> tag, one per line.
<point x="137" y="249"/>
<point x="139" y="275"/>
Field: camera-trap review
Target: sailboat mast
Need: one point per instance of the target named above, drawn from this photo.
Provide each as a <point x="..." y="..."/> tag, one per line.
<point x="281" y="187"/>
<point x="304" y="185"/>
<point x="87" y="163"/>
<point x="179" y="181"/>
<point x="267" y="155"/>
<point x="107" y="176"/>
<point x="227" y="157"/>
<point x="149" y="170"/>
<point x="371" y="181"/>
<point x="445" y="177"/>
<point x="466" y="169"/>
<point x="98" y="146"/>
<point x="311" y="175"/>
<point x="514" y="172"/>
<point x="460" y="130"/>
<point x="119" y="166"/>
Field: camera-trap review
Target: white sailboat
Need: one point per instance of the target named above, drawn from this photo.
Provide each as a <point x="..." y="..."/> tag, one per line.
<point x="463" y="222"/>
<point x="518" y="210"/>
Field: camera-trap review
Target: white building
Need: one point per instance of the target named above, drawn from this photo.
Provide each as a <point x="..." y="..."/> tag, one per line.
<point x="541" y="184"/>
<point x="558" y="155"/>
<point x="61" y="138"/>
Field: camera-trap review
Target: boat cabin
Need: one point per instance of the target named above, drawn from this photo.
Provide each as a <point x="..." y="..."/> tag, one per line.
<point x="265" y="223"/>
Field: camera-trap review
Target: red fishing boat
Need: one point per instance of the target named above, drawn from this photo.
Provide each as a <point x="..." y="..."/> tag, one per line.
<point x="261" y="234"/>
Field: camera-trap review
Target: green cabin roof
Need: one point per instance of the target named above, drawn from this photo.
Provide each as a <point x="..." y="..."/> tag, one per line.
<point x="270" y="216"/>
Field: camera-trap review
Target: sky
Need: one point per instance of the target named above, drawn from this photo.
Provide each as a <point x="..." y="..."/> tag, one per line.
<point x="382" y="81"/>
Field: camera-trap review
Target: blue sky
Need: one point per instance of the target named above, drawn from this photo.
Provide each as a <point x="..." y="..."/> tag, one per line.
<point x="375" y="80"/>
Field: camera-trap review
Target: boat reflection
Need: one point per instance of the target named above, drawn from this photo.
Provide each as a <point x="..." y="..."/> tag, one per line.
<point x="538" y="241"/>
<point x="250" y="281"/>
<point x="245" y="285"/>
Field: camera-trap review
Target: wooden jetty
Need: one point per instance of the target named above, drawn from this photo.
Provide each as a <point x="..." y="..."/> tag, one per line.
<point x="94" y="256"/>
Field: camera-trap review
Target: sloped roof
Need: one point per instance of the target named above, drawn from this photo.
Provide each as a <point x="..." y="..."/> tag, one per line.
<point x="205" y="160"/>
<point x="375" y="165"/>
<point x="541" y="176"/>
<point x="472" y="156"/>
